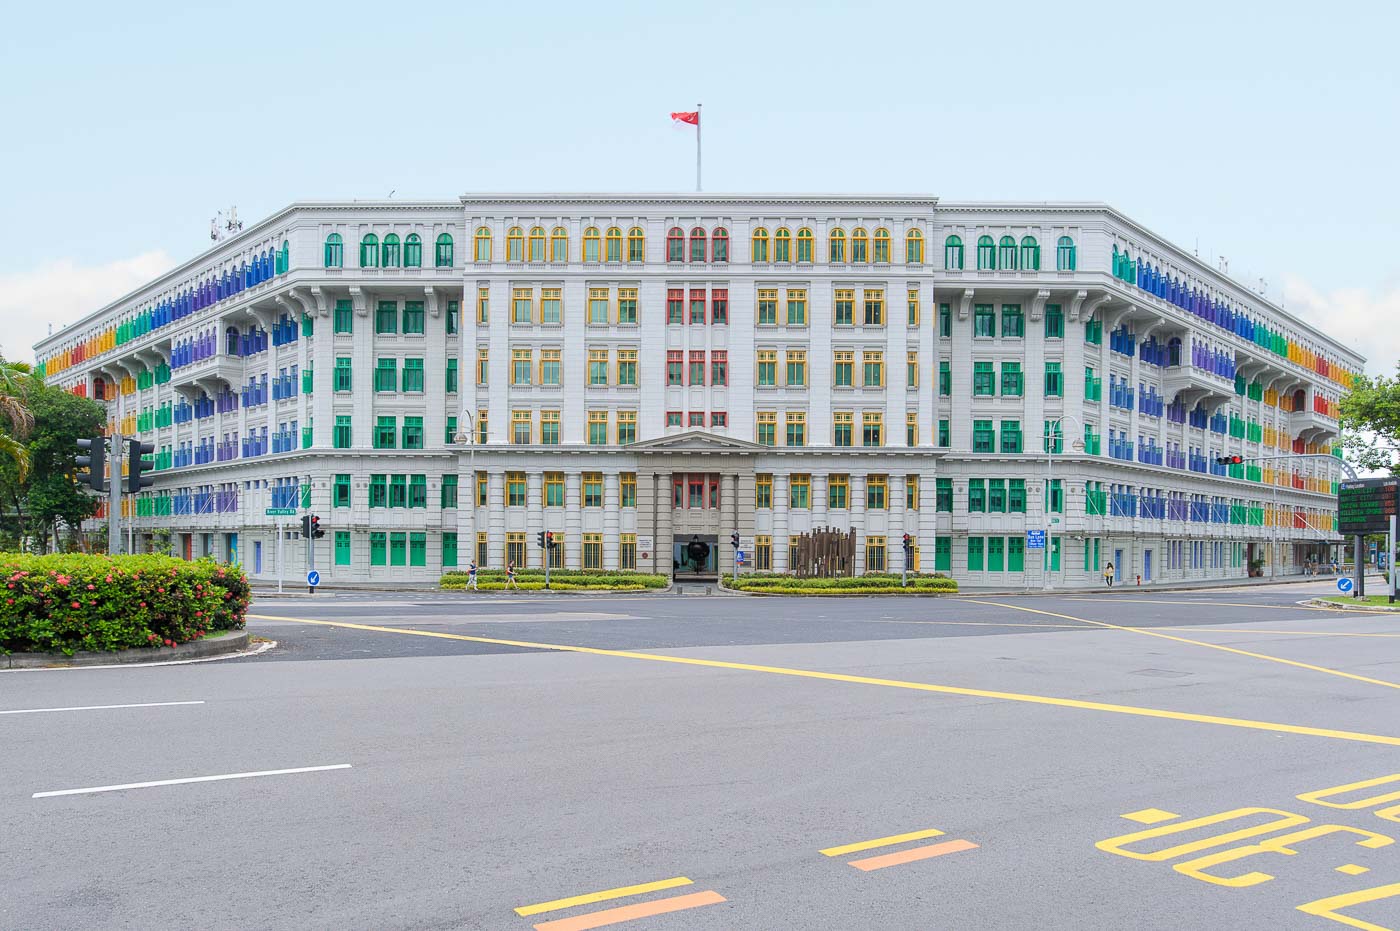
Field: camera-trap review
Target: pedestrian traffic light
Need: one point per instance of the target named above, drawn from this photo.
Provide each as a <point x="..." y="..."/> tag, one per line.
<point x="539" y="539"/>
<point x="549" y="539"/>
<point x="1229" y="460"/>
<point x="93" y="459"/>
<point x="316" y="531"/>
<point x="137" y="465"/>
<point x="908" y="542"/>
<point x="305" y="526"/>
<point x="734" y="539"/>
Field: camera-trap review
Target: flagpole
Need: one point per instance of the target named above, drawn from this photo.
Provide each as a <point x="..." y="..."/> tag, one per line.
<point x="697" y="147"/>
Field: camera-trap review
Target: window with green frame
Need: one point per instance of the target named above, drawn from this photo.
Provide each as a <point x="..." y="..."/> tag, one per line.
<point x="976" y="495"/>
<point x="996" y="496"/>
<point x="386" y="317"/>
<point x="945" y="379"/>
<point x="1054" y="380"/>
<point x="418" y="491"/>
<point x="449" y="549"/>
<point x="412" y="251"/>
<point x="449" y="433"/>
<point x="449" y="490"/>
<point x="984" y="320"/>
<point x="386" y="430"/>
<point x="341" y="436"/>
<point x="943" y="495"/>
<point x="945" y="320"/>
<point x="1016" y="495"/>
<point x="1055" y="497"/>
<point x="1054" y="322"/>
<point x="1013" y="324"/>
<point x="996" y="554"/>
<point x="413" y="375"/>
<point x="1053" y="437"/>
<point x="1015" y="554"/>
<point x="943" y="554"/>
<point x="344" y="380"/>
<point x="976" y="560"/>
<point x="1012" y="382"/>
<point x="453" y="317"/>
<point x="418" y="549"/>
<point x="342" y="547"/>
<point x="335" y="251"/>
<point x="983" y="379"/>
<point x="413" y="433"/>
<point x="984" y="436"/>
<point x="386" y="375"/>
<point x="379" y="491"/>
<point x="340" y="491"/>
<point x="398" y="549"/>
<point x="450" y="382"/>
<point x="344" y="317"/>
<point x="945" y="433"/>
<point x="398" y="491"/>
<point x="1011" y="436"/>
<point x="413" y="317"/>
<point x="378" y="548"/>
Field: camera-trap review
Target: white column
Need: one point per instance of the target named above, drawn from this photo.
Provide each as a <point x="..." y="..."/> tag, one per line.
<point x="611" y="514"/>
<point x="780" y="522"/>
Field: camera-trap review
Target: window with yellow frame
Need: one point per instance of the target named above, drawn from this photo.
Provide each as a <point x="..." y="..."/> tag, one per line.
<point x="551" y="367"/>
<point x="872" y="368"/>
<point x="759" y="247"/>
<point x="872" y="428"/>
<point x="636" y="245"/>
<point x="627" y="306"/>
<point x="597" y="367"/>
<point x="797" y="307"/>
<point x="913" y="307"/>
<point x="782" y="245"/>
<point x="598" y="300"/>
<point x="559" y="245"/>
<point x="522" y="305"/>
<point x="482" y="365"/>
<point x="860" y="246"/>
<point x="592" y="246"/>
<point x="763" y="490"/>
<point x="626" y="427"/>
<point x="521" y="427"/>
<point x="805" y="246"/>
<point x="483" y="305"/>
<point x="627" y="367"/>
<point x="515" y="244"/>
<point x="597" y="428"/>
<point x="536" y="244"/>
<point x="882" y="246"/>
<point x="481" y="244"/>
<point x="913" y="247"/>
<point x="836" y="246"/>
<point x="795" y="423"/>
<point x="521" y="361"/>
<point x="627" y="490"/>
<point x="911" y="492"/>
<point x="613" y="245"/>
<point x="874" y="307"/>
<point x="627" y="552"/>
<point x="481" y="427"/>
<point x="551" y="306"/>
<point x="911" y="428"/>
<point x="911" y="366"/>
<point x="549" y="428"/>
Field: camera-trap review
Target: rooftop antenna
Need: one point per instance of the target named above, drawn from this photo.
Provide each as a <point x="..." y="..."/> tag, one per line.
<point x="1224" y="265"/>
<point x="222" y="227"/>
<point x="1198" y="247"/>
<point x="391" y="193"/>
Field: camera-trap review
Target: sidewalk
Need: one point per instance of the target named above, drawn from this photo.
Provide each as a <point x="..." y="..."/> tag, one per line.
<point x="1128" y="588"/>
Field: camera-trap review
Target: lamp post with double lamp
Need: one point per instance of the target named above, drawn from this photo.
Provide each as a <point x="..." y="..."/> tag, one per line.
<point x="1054" y="428"/>
<point x="469" y="437"/>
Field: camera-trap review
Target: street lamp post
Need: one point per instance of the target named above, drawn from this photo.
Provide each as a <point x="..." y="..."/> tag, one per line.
<point x="470" y="438"/>
<point x="1053" y="428"/>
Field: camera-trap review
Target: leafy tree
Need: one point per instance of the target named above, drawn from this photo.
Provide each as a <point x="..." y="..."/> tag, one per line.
<point x="15" y="416"/>
<point x="1371" y="423"/>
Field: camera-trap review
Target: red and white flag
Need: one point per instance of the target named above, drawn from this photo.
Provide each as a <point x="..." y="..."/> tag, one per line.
<point x="687" y="116"/>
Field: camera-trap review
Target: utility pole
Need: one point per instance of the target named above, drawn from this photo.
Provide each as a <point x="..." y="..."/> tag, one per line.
<point x="114" y="498"/>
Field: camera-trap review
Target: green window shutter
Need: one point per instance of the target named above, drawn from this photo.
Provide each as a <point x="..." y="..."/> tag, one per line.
<point x="342" y="547"/>
<point x="417" y="549"/>
<point x="306" y="496"/>
<point x="943" y="554"/>
<point x="449" y="549"/>
<point x="975" y="560"/>
<point x="398" y="549"/>
<point x="378" y="550"/>
<point x="1015" y="554"/>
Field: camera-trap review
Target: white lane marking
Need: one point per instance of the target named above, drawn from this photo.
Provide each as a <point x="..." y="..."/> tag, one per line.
<point x="144" y="704"/>
<point x="176" y="782"/>
<point x="260" y="648"/>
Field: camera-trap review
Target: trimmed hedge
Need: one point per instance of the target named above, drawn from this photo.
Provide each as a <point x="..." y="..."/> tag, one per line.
<point x="560" y="580"/>
<point x="870" y="584"/>
<point x="71" y="602"/>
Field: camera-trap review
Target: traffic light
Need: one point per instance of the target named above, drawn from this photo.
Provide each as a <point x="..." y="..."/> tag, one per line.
<point x="1229" y="460"/>
<point x="137" y="466"/>
<point x="316" y="531"/>
<point x="305" y="526"/>
<point x="549" y="539"/>
<point x="734" y="539"/>
<point x="539" y="539"/>
<point x="94" y="459"/>
<point x="908" y="543"/>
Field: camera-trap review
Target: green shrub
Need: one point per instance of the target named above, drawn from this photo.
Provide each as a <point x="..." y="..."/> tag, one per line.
<point x="66" y="603"/>
<point x="875" y="583"/>
<point x="562" y="580"/>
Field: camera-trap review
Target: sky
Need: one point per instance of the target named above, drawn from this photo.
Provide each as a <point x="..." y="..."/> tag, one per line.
<point x="1265" y="132"/>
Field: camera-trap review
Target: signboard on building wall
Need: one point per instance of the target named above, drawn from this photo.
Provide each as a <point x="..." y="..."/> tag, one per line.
<point x="1366" y="505"/>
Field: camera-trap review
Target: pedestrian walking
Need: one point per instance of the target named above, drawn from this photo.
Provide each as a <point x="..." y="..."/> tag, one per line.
<point x="510" y="576"/>
<point x="471" y="576"/>
<point x="1108" y="575"/>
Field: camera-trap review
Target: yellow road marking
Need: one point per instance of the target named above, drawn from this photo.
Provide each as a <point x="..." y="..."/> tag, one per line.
<point x="605" y="895"/>
<point x="880" y="842"/>
<point x="1150" y="816"/>
<point x="1201" y="643"/>
<point x="1256" y="630"/>
<point x="887" y="683"/>
<point x="1351" y="869"/>
<point x="1221" y="604"/>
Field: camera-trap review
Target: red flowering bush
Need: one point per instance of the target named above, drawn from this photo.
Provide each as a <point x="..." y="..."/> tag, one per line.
<point x="67" y="603"/>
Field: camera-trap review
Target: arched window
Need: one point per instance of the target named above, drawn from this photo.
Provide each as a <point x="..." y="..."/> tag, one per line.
<point x="953" y="253"/>
<point x="481" y="244"/>
<point x="369" y="251"/>
<point x="537" y="244"/>
<point x="515" y="244"/>
<point x="860" y="245"/>
<point x="782" y="245"/>
<point x="636" y="245"/>
<point x="697" y="244"/>
<point x="759" y="252"/>
<point x="390" y="251"/>
<point x="1006" y="253"/>
<point x="559" y="244"/>
<point x="412" y="251"/>
<point x="675" y="244"/>
<point x="443" y="252"/>
<point x="592" y="245"/>
<point x="805" y="246"/>
<point x="231" y="341"/>
<point x="882" y="246"/>
<point x="1064" y="256"/>
<point x="836" y="246"/>
<point x="613" y="242"/>
<point x="1174" y="351"/>
<point x="913" y="248"/>
<point x="1030" y="254"/>
<point x="720" y="245"/>
<point x="986" y="253"/>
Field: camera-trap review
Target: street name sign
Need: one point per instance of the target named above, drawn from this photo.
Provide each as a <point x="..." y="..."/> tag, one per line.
<point x="281" y="512"/>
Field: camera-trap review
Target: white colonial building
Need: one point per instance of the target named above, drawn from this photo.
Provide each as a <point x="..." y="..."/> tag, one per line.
<point x="442" y="381"/>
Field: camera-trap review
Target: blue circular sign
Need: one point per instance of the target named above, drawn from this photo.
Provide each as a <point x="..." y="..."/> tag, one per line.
<point x="1344" y="585"/>
<point x="313" y="578"/>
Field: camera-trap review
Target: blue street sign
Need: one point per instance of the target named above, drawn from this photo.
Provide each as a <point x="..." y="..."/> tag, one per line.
<point x="739" y="557"/>
<point x="313" y="578"/>
<point x="1035" y="539"/>
<point x="1344" y="585"/>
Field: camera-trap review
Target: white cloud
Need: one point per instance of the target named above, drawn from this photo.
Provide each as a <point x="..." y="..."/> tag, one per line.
<point x="1361" y="319"/>
<point x="62" y="292"/>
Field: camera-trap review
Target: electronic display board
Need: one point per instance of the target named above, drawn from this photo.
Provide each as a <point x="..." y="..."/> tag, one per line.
<point x="1366" y="505"/>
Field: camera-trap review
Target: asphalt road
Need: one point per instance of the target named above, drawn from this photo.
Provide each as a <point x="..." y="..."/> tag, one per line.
<point x="500" y="752"/>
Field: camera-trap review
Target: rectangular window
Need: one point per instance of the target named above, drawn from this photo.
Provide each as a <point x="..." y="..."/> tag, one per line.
<point x="763" y="553"/>
<point x="378" y="549"/>
<point x="766" y="428"/>
<point x="763" y="491"/>
<point x="697" y="418"/>
<point x="945" y="320"/>
<point x="413" y="375"/>
<point x="340" y="438"/>
<point x="481" y="424"/>
<point x="797" y="307"/>
<point x="984" y="320"/>
<point x="386" y="317"/>
<point x="344" y="317"/>
<point x="983" y="379"/>
<point x="413" y="321"/>
<point x="627" y="306"/>
<point x="551" y="367"/>
<point x="1054" y="380"/>
<point x="597" y="366"/>
<point x="521" y="362"/>
<point x="996" y="554"/>
<point x="943" y="554"/>
<point x="398" y="491"/>
<point x="340" y="492"/>
<point x="1015" y="554"/>
<point x="675" y="306"/>
<point x="344" y="380"/>
<point x="628" y="488"/>
<point x="483" y="487"/>
<point x="342" y="547"/>
<point x="522" y="305"/>
<point x="386" y="375"/>
<point x="943" y="495"/>
<point x="874" y="554"/>
<point x="911" y="492"/>
<point x="1011" y="436"/>
<point x="842" y="428"/>
<point x="872" y="368"/>
<point x="597" y="428"/>
<point x="418" y="491"/>
<point x="449" y="549"/>
<point x="673" y="418"/>
<point x="766" y="365"/>
<point x="767" y="307"/>
<point x="449" y="491"/>
<point x="626" y="427"/>
<point x="386" y="431"/>
<point x="413" y="433"/>
<point x="515" y="549"/>
<point x="1053" y="437"/>
<point x="945" y="433"/>
<point x="554" y="489"/>
<point x="983" y="436"/>
<point x="627" y="367"/>
<point x="515" y="489"/>
<point x="592" y="551"/>
<point x="482" y="366"/>
<point x="874" y="307"/>
<point x="627" y="551"/>
<point x="843" y="307"/>
<point x="796" y="362"/>
<point x="872" y="428"/>
<point x="1012" y="381"/>
<point x="911" y="428"/>
<point x="911" y="369"/>
<point x="551" y="306"/>
<point x="593" y="489"/>
<point x="838" y="491"/>
<point x="522" y="427"/>
<point x="800" y="492"/>
<point x="975" y="559"/>
<point x="675" y="367"/>
<point x="913" y="308"/>
<point x="1055" y="497"/>
<point x="843" y="368"/>
<point x="796" y="423"/>
<point x="876" y="492"/>
<point x="450" y="381"/>
<point x="1016" y="495"/>
<point x="483" y="305"/>
<point x="1013" y="325"/>
<point x="697" y="367"/>
<point x="697" y="306"/>
<point x="379" y="491"/>
<point x="976" y="495"/>
<point x="598" y="300"/>
<point x="719" y="305"/>
<point x="945" y="379"/>
<point x="719" y="367"/>
<point x="1054" y="322"/>
<point x="996" y="495"/>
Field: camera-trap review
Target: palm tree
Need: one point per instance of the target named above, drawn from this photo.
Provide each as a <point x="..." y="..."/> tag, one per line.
<point x="15" y="411"/>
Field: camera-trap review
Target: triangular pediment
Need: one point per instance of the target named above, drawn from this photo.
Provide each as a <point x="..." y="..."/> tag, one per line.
<point x="697" y="441"/>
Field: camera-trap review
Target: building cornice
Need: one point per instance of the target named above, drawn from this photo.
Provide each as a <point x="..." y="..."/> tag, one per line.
<point x="662" y="198"/>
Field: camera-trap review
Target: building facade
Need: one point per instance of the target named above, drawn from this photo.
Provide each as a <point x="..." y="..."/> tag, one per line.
<point x="442" y="381"/>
